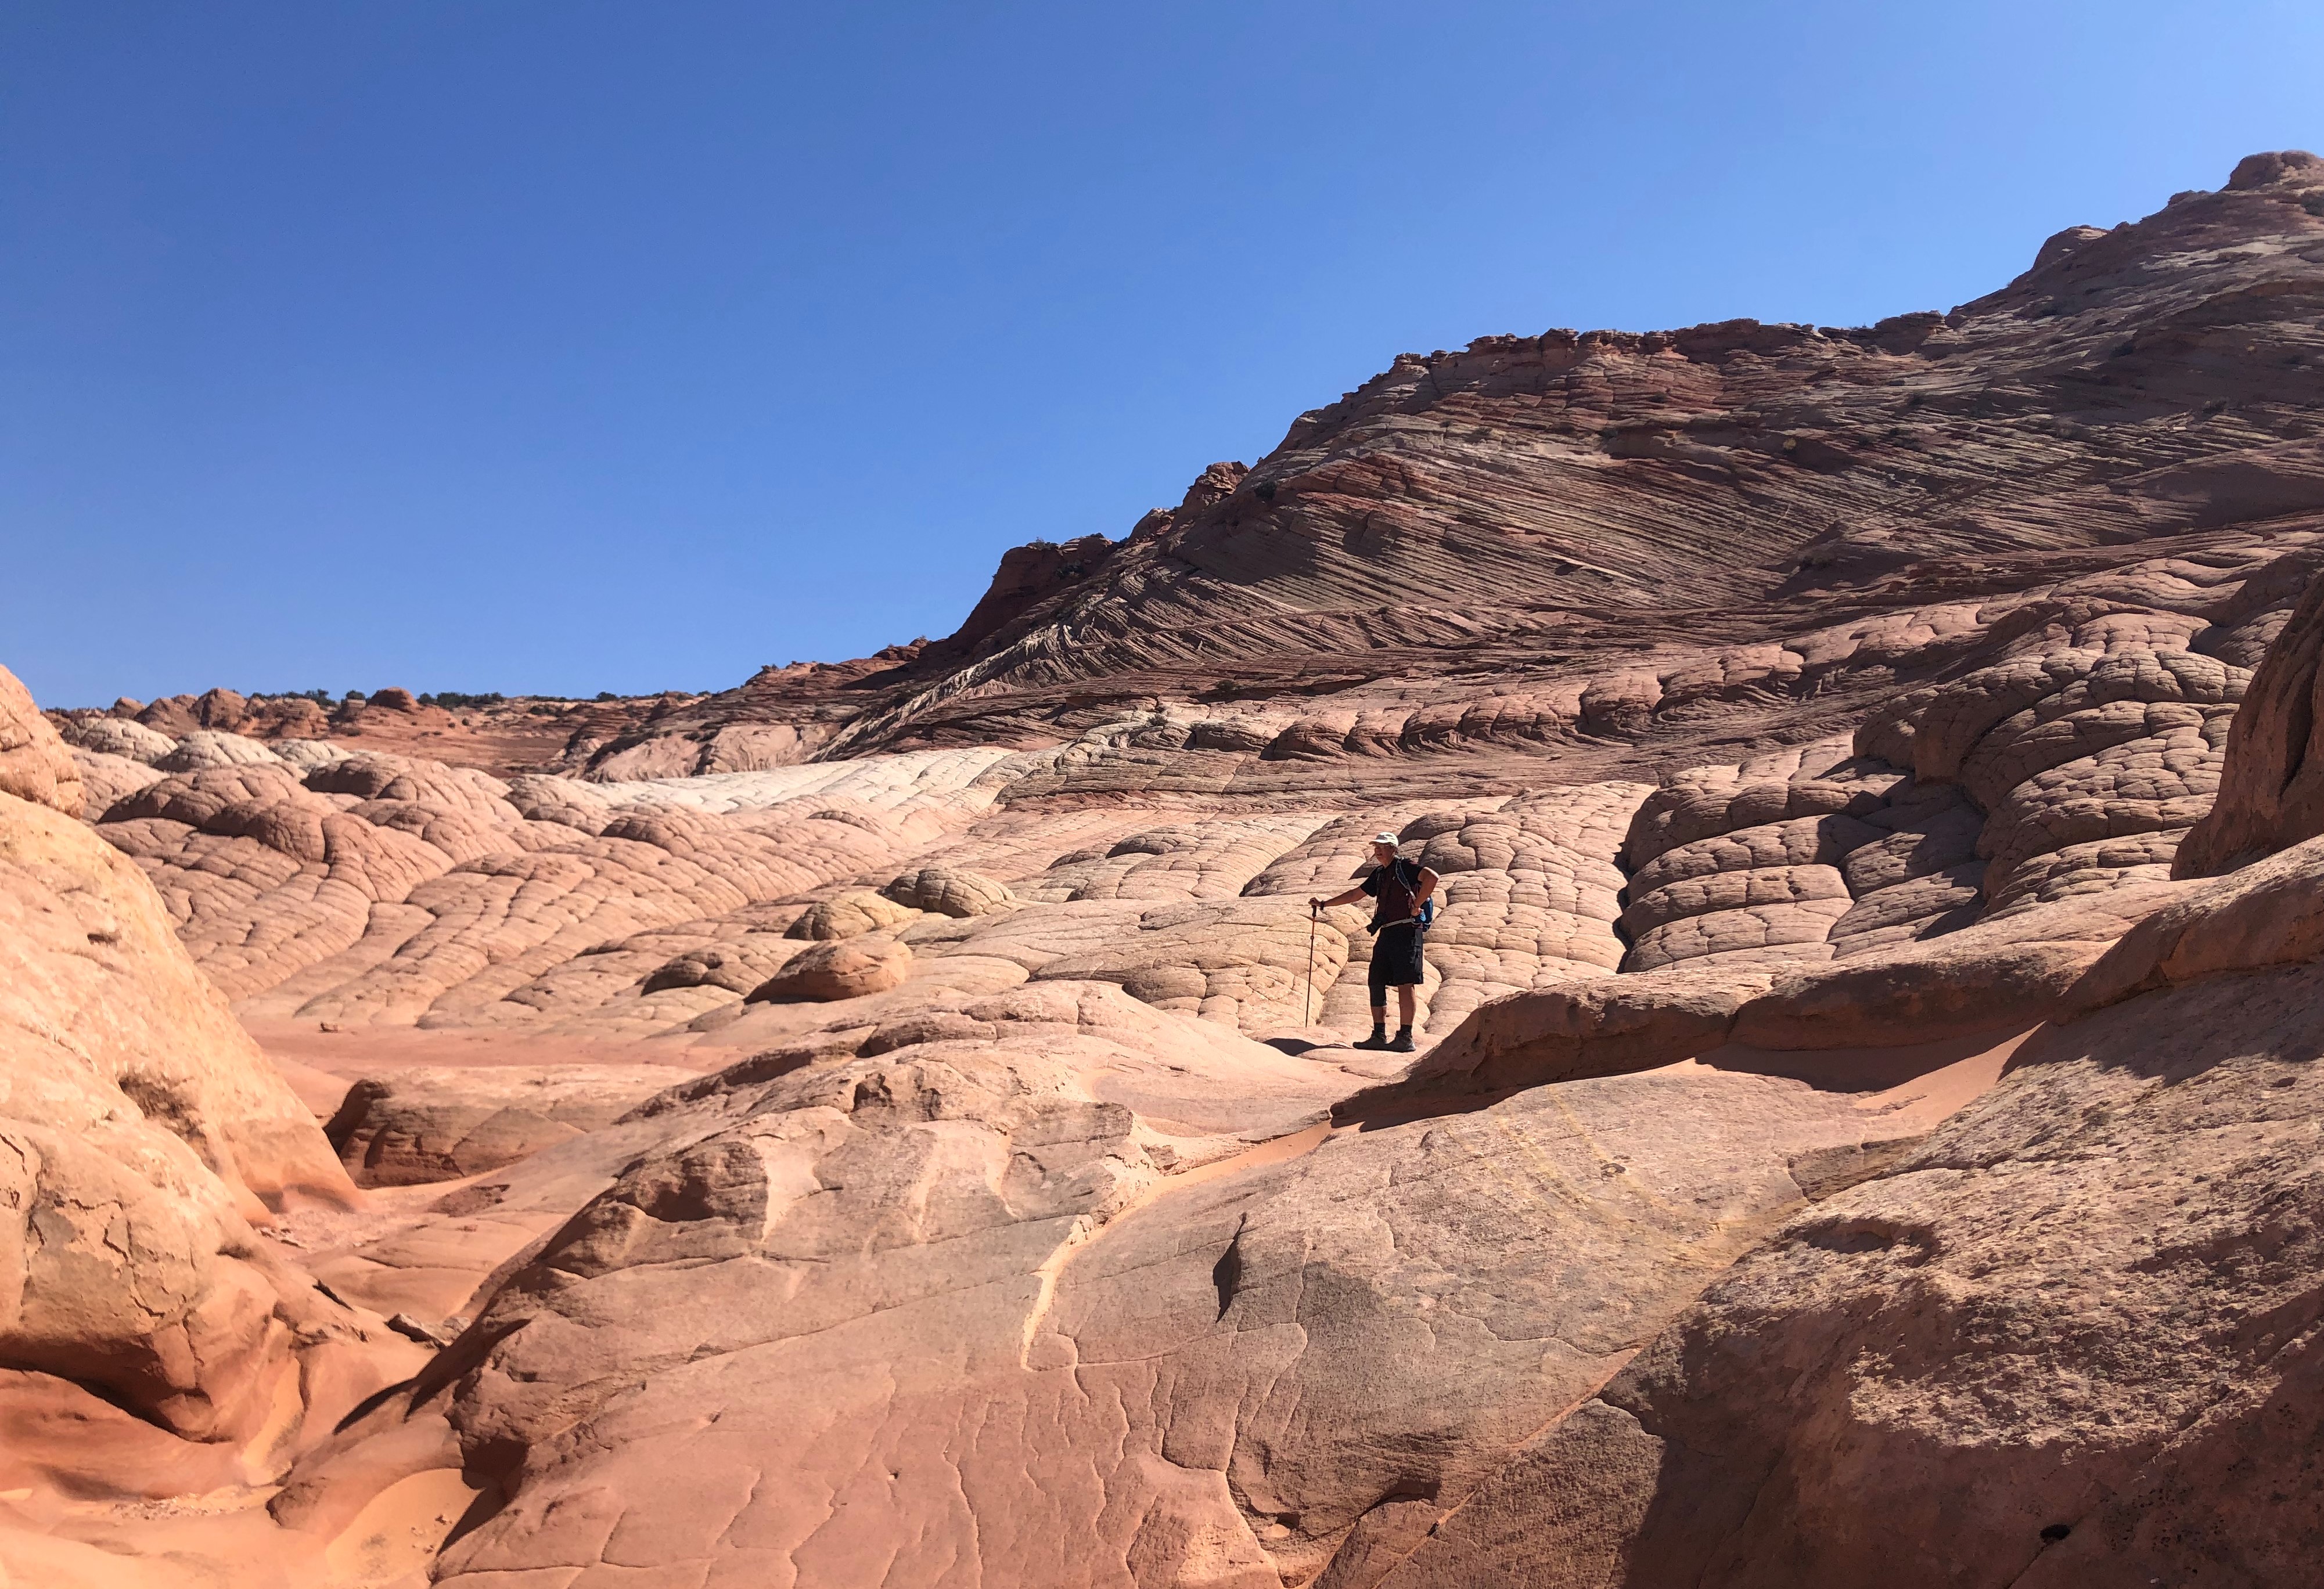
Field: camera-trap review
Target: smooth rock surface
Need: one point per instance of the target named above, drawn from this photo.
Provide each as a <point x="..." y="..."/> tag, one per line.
<point x="34" y="764"/>
<point x="853" y="968"/>
<point x="152" y="1341"/>
<point x="444" y="1124"/>
<point x="2071" y="1338"/>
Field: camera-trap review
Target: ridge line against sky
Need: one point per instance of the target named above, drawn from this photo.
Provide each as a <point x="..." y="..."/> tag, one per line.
<point x="556" y="349"/>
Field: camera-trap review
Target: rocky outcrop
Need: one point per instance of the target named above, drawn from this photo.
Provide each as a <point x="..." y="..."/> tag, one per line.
<point x="489" y="733"/>
<point x="35" y="765"/>
<point x="140" y="1135"/>
<point x="1029" y="574"/>
<point x="854" y="968"/>
<point x="206" y="748"/>
<point x="1405" y="545"/>
<point x="1170" y="1383"/>
<point x="117" y="735"/>
<point x="847" y="913"/>
<point x="949" y="891"/>
<point x="2272" y="792"/>
<point x="2112" y="1382"/>
<point x="441" y="1125"/>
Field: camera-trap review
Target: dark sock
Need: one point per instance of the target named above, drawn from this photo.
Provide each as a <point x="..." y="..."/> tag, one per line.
<point x="1404" y="1030"/>
<point x="1379" y="1028"/>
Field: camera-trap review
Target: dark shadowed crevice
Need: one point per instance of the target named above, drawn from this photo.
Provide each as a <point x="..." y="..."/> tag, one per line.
<point x="1226" y="1275"/>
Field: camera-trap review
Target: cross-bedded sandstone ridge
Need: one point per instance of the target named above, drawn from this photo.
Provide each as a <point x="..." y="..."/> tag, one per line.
<point x="1668" y="541"/>
<point x="1842" y="1149"/>
<point x="2041" y="784"/>
<point x="1550" y="541"/>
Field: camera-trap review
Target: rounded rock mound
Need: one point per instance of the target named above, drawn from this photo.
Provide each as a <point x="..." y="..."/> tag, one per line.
<point x="34" y="764"/>
<point x="441" y="1125"/>
<point x="950" y="891"/>
<point x="119" y="736"/>
<point x="206" y="748"/>
<point x="847" y="968"/>
<point x="847" y="915"/>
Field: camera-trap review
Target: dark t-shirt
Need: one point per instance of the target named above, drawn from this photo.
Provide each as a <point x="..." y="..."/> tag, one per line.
<point x="1394" y="886"/>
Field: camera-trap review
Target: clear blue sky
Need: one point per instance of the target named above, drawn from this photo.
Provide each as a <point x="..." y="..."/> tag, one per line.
<point x="560" y="347"/>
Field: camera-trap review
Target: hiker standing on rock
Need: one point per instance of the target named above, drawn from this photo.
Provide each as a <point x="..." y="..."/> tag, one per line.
<point x="1402" y="890"/>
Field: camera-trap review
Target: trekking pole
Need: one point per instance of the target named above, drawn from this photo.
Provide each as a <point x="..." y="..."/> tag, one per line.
<point x="1311" y="966"/>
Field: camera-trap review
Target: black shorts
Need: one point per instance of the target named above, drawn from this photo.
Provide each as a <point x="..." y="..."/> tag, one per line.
<point x="1396" y="960"/>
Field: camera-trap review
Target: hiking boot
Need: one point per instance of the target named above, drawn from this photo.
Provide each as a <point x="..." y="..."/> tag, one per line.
<point x="1377" y="1040"/>
<point x="1402" y="1046"/>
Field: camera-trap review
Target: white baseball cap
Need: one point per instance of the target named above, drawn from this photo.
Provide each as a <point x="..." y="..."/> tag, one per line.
<point x="1384" y="837"/>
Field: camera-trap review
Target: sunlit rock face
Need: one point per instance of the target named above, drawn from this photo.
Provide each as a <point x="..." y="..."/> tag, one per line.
<point x="151" y="1341"/>
<point x="900" y="1126"/>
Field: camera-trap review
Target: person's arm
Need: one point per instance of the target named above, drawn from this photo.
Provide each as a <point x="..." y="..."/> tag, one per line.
<point x="1349" y="897"/>
<point x="1428" y="881"/>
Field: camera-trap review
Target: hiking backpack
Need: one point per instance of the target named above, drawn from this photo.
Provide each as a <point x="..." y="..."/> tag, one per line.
<point x="1428" y="905"/>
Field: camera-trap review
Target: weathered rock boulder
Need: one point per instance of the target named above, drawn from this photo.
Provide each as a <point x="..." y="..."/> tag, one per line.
<point x="306" y="755"/>
<point x="118" y="736"/>
<point x="2272" y="787"/>
<point x="441" y="1123"/>
<point x="849" y="913"/>
<point x="2069" y="1339"/>
<point x="106" y="1018"/>
<point x="736" y="966"/>
<point x="34" y="764"/>
<point x="949" y="891"/>
<point x="141" y="1131"/>
<point x="107" y="780"/>
<point x="205" y="749"/>
<point x="850" y="967"/>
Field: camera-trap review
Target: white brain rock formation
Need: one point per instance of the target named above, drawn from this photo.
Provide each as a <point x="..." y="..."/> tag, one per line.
<point x="895" y="1124"/>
